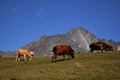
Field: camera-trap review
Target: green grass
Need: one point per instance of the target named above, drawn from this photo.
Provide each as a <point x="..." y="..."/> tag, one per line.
<point x="96" y="66"/>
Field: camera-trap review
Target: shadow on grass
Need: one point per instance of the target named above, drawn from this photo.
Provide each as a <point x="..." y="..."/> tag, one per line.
<point x="60" y="60"/>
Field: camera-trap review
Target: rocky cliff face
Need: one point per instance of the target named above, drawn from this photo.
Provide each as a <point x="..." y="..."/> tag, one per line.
<point x="81" y="38"/>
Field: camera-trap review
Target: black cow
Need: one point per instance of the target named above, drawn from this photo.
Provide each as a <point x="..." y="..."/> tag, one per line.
<point x="100" y="46"/>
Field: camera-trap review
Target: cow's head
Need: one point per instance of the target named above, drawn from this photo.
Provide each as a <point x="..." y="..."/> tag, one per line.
<point x="111" y="48"/>
<point x="72" y="54"/>
<point x="32" y="53"/>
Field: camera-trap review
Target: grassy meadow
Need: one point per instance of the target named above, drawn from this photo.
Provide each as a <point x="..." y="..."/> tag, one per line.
<point x="85" y="66"/>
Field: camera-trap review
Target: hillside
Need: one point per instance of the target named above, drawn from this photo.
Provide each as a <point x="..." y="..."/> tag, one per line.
<point x="85" y="66"/>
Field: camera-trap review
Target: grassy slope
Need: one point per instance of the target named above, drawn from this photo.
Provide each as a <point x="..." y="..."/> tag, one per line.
<point x="96" y="66"/>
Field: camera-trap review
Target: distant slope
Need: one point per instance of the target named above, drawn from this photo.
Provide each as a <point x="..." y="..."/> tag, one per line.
<point x="2" y="53"/>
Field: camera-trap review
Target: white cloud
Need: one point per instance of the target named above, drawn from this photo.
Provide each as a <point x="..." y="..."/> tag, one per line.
<point x="13" y="10"/>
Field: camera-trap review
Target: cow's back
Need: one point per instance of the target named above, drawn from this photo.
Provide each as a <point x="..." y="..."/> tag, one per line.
<point x="100" y="46"/>
<point x="60" y="49"/>
<point x="23" y="52"/>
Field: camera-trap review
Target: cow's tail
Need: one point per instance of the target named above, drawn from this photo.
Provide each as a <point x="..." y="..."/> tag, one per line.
<point x="54" y="53"/>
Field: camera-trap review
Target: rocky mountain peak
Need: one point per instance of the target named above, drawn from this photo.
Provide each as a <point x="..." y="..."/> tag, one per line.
<point x="78" y="38"/>
<point x="82" y="37"/>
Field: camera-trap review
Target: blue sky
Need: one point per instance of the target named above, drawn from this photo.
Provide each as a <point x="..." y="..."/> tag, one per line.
<point x="24" y="21"/>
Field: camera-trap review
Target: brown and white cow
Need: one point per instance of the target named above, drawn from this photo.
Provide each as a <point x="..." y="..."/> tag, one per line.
<point x="100" y="46"/>
<point x="62" y="50"/>
<point x="25" y="53"/>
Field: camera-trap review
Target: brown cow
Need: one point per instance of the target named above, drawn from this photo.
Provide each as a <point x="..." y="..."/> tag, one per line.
<point x="100" y="46"/>
<point x="25" y="53"/>
<point x="62" y="50"/>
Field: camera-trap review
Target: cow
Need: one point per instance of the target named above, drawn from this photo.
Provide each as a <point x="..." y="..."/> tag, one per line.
<point x="25" y="53"/>
<point x="62" y="50"/>
<point x="100" y="46"/>
<point x="107" y="47"/>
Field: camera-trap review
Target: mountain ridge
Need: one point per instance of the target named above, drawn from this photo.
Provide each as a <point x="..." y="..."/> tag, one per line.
<point x="78" y="38"/>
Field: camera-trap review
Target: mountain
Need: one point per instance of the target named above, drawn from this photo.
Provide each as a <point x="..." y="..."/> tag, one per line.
<point x="78" y="38"/>
<point x="9" y="54"/>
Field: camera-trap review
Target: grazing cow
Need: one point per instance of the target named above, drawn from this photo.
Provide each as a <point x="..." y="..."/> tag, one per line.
<point x="100" y="46"/>
<point x="107" y="47"/>
<point x="25" y="53"/>
<point x="62" y="50"/>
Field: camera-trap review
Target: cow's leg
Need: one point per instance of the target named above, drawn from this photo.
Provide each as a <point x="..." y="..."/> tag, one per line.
<point x="63" y="56"/>
<point x="53" y="57"/>
<point x="68" y="55"/>
<point x="101" y="49"/>
<point x="30" y="58"/>
<point x="25" y="57"/>
<point x="16" y="57"/>
<point x="91" y="51"/>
